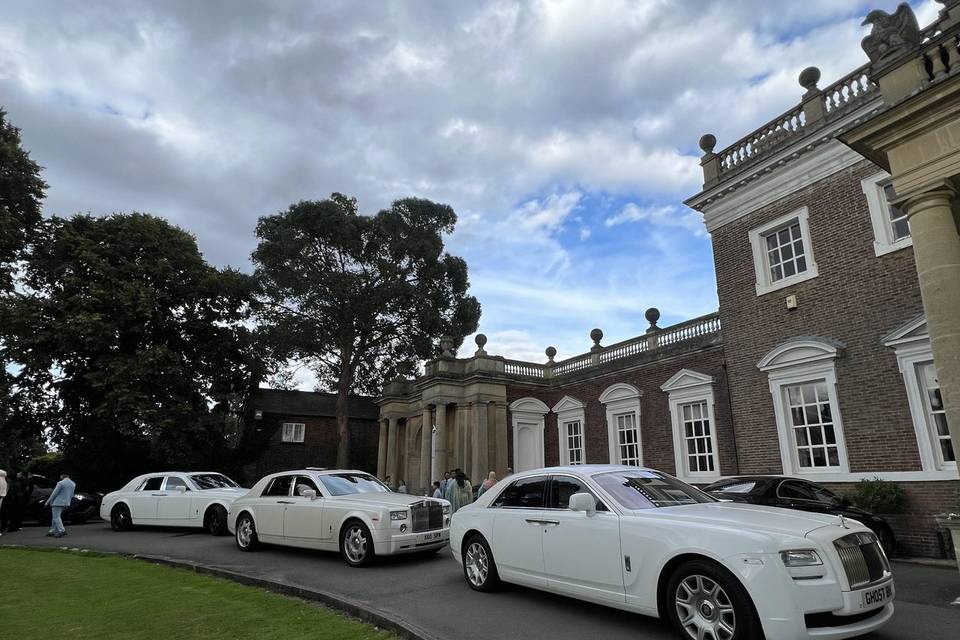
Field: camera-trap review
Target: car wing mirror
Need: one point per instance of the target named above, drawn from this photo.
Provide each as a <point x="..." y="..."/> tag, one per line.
<point x="309" y="493"/>
<point x="180" y="489"/>
<point x="583" y="502"/>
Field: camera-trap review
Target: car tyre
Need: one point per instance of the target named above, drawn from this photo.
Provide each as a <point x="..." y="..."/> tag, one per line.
<point x="120" y="519"/>
<point x="246" y="537"/>
<point x="215" y="522"/>
<point x="479" y="567"/>
<point x="705" y="600"/>
<point x="356" y="544"/>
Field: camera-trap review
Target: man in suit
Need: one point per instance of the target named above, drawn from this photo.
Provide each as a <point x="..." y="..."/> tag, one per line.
<point x="60" y="499"/>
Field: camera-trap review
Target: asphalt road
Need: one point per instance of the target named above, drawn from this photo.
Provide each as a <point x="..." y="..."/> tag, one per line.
<point x="429" y="593"/>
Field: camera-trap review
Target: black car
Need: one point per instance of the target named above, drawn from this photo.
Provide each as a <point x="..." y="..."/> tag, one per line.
<point x="83" y="507"/>
<point x="793" y="493"/>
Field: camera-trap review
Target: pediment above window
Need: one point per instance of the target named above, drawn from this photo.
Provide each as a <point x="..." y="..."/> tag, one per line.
<point x="567" y="404"/>
<point x="529" y="405"/>
<point x="800" y="351"/>
<point x="619" y="391"/>
<point x="913" y="331"/>
<point x="684" y="379"/>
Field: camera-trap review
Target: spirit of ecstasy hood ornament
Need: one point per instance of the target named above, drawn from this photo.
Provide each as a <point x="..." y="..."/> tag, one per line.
<point x="843" y="522"/>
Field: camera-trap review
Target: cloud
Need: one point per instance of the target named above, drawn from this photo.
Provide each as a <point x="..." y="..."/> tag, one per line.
<point x="662" y="215"/>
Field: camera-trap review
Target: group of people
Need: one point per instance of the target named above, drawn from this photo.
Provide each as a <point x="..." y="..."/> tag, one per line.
<point x="455" y="487"/>
<point x="16" y="493"/>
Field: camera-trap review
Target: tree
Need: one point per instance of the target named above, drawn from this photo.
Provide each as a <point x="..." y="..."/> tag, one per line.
<point x="143" y="345"/>
<point x="360" y="299"/>
<point x="21" y="195"/>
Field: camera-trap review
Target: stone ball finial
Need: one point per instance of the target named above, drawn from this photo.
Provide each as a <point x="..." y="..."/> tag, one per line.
<point x="551" y="352"/>
<point x="809" y="78"/>
<point x="652" y="315"/>
<point x="480" y="340"/>
<point x="596" y="335"/>
<point x="707" y="142"/>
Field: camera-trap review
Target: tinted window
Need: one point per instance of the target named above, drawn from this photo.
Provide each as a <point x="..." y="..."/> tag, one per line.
<point x="341" y="484"/>
<point x="562" y="487"/>
<point x="279" y="486"/>
<point x="796" y="491"/>
<point x="303" y="482"/>
<point x="173" y="482"/>
<point x="212" y="481"/>
<point x="738" y="487"/>
<point x="526" y="492"/>
<point x="152" y="484"/>
<point x="646" y="489"/>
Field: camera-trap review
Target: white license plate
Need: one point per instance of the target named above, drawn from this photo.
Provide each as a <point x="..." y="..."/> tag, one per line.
<point x="873" y="598"/>
<point x="430" y="537"/>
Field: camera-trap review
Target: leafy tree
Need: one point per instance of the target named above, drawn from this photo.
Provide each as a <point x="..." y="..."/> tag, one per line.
<point x="142" y="344"/>
<point x="360" y="299"/>
<point x="21" y="195"/>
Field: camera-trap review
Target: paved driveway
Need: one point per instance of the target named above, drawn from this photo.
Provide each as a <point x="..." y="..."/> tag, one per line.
<point x="430" y="594"/>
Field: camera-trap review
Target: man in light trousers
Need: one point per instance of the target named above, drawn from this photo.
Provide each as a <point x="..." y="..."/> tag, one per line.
<point x="60" y="499"/>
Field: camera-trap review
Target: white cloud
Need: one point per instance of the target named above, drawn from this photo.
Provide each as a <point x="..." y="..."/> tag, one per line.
<point x="666" y="215"/>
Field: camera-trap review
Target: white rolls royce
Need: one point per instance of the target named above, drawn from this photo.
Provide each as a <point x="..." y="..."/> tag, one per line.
<point x="338" y="510"/>
<point x="641" y="540"/>
<point x="173" y="498"/>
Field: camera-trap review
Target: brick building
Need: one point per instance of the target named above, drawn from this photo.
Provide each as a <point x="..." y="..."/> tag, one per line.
<point x="818" y="363"/>
<point x="301" y="431"/>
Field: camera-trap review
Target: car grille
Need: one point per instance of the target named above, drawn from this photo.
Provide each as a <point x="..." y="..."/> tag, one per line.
<point x="863" y="559"/>
<point x="426" y="516"/>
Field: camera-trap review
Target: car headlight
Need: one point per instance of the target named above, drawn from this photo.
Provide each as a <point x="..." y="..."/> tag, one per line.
<point x="446" y="509"/>
<point x="800" y="558"/>
<point x="398" y="515"/>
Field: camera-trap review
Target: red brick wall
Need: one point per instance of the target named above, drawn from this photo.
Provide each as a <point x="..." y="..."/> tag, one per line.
<point x="857" y="298"/>
<point x="655" y="427"/>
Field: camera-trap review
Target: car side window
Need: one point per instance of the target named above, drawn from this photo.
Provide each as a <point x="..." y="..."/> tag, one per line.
<point x="795" y="491"/>
<point x="526" y="493"/>
<point x="173" y="482"/>
<point x="562" y="487"/>
<point x="152" y="484"/>
<point x="279" y="486"/>
<point x="303" y="482"/>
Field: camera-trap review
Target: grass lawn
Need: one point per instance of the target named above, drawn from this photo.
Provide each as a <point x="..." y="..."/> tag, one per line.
<point x="55" y="594"/>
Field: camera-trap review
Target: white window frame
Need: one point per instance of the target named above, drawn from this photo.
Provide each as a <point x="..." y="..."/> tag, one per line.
<point x="567" y="448"/>
<point x="289" y="432"/>
<point x="801" y="361"/>
<point x="911" y="344"/>
<point x="528" y="413"/>
<point x="884" y="241"/>
<point x="761" y="266"/>
<point x="683" y="388"/>
<point x="618" y="399"/>
<point x="569" y="410"/>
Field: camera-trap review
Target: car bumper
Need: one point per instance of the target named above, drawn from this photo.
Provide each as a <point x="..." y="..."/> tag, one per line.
<point x="391" y="542"/>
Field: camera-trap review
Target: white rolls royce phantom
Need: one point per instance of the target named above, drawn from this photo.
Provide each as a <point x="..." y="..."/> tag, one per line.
<point x="641" y="540"/>
<point x="173" y="498"/>
<point x="338" y="510"/>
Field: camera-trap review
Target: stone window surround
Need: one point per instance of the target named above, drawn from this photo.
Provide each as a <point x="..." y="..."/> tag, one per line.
<point x="620" y="398"/>
<point x="685" y="387"/>
<point x="795" y="362"/>
<point x="528" y="411"/>
<point x="883" y="242"/>
<point x="291" y="436"/>
<point x="569" y="409"/>
<point x="758" y="246"/>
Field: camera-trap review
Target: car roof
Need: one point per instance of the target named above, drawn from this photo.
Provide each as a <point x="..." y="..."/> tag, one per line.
<point x="317" y="471"/>
<point x="584" y="469"/>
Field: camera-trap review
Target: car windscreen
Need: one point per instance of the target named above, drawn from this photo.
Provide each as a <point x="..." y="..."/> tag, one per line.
<point x="341" y="484"/>
<point x="648" y="489"/>
<point x="212" y="481"/>
<point x="734" y="486"/>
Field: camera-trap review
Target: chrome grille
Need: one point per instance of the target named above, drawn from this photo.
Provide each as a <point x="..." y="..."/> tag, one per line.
<point x="426" y="516"/>
<point x="863" y="559"/>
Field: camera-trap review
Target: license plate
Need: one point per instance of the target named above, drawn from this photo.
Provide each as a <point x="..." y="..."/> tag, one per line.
<point x="430" y="537"/>
<point x="872" y="598"/>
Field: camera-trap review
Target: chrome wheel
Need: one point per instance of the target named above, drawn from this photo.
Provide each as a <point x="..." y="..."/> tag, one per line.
<point x="704" y="609"/>
<point x="477" y="564"/>
<point x="245" y="533"/>
<point x="355" y="544"/>
<point x="120" y="518"/>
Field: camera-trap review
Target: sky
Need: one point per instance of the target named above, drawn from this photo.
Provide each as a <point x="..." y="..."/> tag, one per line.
<point x="563" y="133"/>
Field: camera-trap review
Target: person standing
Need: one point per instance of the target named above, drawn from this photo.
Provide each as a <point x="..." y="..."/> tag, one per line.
<point x="459" y="492"/>
<point x="445" y="482"/>
<point x="60" y="499"/>
<point x="436" y="490"/>
<point x="389" y="482"/>
<point x="3" y="495"/>
<point x="489" y="482"/>
<point x="402" y="488"/>
<point x="15" y="502"/>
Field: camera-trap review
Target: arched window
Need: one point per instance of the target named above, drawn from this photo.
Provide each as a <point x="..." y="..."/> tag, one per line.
<point x="694" y="425"/>
<point x="622" y="402"/>
<point x="571" y="428"/>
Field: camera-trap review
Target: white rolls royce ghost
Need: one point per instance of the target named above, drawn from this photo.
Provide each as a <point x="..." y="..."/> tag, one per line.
<point x="173" y="498"/>
<point x="641" y="540"/>
<point x="338" y="510"/>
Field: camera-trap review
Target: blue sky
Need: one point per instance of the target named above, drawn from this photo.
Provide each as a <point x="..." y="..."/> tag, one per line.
<point x="564" y="133"/>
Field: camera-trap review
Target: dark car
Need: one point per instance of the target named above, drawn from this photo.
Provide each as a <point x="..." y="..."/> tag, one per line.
<point x="83" y="507"/>
<point x="793" y="493"/>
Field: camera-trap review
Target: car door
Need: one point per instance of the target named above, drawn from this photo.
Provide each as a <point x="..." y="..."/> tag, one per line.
<point x="796" y="494"/>
<point x="273" y="502"/>
<point x="173" y="504"/>
<point x="518" y="526"/>
<point x="143" y="502"/>
<point x="303" y="517"/>
<point x="581" y="553"/>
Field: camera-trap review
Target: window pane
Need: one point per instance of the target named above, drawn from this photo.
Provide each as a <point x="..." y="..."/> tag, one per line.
<point x="279" y="486"/>
<point x="173" y="482"/>
<point x="815" y="438"/>
<point x="526" y="493"/>
<point x="153" y="484"/>
<point x="801" y="264"/>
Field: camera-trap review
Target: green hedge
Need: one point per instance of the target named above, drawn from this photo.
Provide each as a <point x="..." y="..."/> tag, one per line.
<point x="879" y="496"/>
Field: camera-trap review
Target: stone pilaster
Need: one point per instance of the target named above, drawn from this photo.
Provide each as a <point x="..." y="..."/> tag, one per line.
<point x="392" y="450"/>
<point x="382" y="449"/>
<point x="501" y="440"/>
<point x="440" y="462"/>
<point x="426" y="462"/>
<point x="479" y="449"/>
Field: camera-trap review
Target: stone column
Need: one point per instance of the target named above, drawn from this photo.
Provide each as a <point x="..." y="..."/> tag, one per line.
<point x="936" y="248"/>
<point x="440" y="461"/>
<point x="453" y="437"/>
<point x="426" y="440"/>
<point x="382" y="449"/>
<point x="392" y="450"/>
<point x="501" y="437"/>
<point x="466" y="437"/>
<point x="479" y="449"/>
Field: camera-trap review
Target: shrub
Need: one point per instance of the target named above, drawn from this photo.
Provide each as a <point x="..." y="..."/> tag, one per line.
<point x="879" y="496"/>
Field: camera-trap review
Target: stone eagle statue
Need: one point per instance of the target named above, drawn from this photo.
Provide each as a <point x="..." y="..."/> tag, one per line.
<point x="891" y="34"/>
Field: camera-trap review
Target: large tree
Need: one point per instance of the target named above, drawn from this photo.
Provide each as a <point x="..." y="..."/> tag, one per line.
<point x="360" y="299"/>
<point x="143" y="346"/>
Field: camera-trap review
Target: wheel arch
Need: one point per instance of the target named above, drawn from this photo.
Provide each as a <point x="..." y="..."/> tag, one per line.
<point x="244" y="510"/>
<point x="469" y="533"/>
<point x="669" y="567"/>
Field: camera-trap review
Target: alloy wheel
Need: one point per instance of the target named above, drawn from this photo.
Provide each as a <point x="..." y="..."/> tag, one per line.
<point x="355" y="544"/>
<point x="704" y="609"/>
<point x="245" y="532"/>
<point x="477" y="563"/>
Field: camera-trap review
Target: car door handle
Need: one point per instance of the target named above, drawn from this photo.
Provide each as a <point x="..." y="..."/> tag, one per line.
<point x="542" y="522"/>
<point x="285" y="502"/>
<point x="158" y="494"/>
